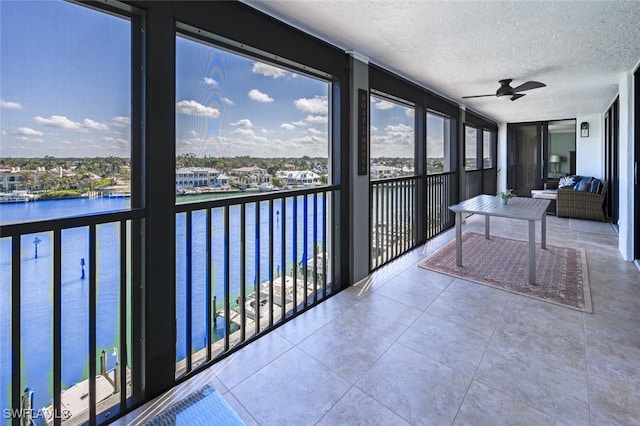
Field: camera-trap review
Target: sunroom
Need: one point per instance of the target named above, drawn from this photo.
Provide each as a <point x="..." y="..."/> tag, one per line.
<point x="254" y="184"/>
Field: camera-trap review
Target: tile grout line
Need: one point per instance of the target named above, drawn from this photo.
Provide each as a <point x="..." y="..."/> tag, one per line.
<point x="473" y="377"/>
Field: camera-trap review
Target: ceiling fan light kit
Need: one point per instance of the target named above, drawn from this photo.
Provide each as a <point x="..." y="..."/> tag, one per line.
<point x="505" y="90"/>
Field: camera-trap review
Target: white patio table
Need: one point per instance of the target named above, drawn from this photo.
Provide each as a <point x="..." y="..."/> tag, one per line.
<point x="530" y="209"/>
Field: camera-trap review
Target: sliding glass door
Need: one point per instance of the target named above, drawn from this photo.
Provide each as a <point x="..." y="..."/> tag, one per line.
<point x="538" y="153"/>
<point x="523" y="158"/>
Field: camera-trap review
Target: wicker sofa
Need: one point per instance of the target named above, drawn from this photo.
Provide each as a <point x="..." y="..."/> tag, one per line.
<point x="582" y="204"/>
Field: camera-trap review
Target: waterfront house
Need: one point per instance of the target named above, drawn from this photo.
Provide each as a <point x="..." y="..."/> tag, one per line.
<point x="10" y="179"/>
<point x="250" y="176"/>
<point x="379" y="171"/>
<point x="299" y="177"/>
<point x="195" y="177"/>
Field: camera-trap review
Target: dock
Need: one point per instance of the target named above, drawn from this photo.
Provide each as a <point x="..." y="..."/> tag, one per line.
<point x="250" y="326"/>
<point x="74" y="402"/>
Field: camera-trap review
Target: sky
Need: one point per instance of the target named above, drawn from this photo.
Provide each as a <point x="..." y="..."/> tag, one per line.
<point x="64" y="81"/>
<point x="65" y="91"/>
<point x="230" y="105"/>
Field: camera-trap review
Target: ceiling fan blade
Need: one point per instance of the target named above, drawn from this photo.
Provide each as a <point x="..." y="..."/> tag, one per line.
<point x="517" y="96"/>
<point x="477" y="96"/>
<point x="528" y="86"/>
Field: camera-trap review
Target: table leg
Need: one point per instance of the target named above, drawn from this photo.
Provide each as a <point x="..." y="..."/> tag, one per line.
<point x="486" y="226"/>
<point x="543" y="230"/>
<point x="458" y="238"/>
<point x="532" y="252"/>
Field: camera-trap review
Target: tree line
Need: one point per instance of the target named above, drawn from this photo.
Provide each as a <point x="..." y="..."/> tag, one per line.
<point x="117" y="167"/>
<point x="271" y="165"/>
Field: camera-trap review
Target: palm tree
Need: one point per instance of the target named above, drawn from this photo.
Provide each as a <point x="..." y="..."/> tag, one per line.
<point x="47" y="180"/>
<point x="27" y="180"/>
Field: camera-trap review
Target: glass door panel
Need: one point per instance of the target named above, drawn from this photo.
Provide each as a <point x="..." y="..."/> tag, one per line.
<point x="525" y="155"/>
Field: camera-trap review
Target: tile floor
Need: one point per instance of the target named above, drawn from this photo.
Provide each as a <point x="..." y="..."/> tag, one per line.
<point x="411" y="346"/>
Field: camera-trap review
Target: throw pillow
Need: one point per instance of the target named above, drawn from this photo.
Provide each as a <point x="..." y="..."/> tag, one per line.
<point x="566" y="181"/>
<point x="595" y="186"/>
<point x="583" y="185"/>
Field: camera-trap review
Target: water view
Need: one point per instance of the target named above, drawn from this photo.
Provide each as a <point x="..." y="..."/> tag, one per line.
<point x="37" y="281"/>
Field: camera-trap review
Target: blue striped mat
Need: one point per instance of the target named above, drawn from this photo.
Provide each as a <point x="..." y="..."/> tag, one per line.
<point x="203" y="407"/>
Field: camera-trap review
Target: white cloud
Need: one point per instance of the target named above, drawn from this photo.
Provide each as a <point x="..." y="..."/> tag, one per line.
<point x="265" y="131"/>
<point x="59" y="121"/>
<point x="245" y="122"/>
<point x="117" y="140"/>
<point x="287" y="126"/>
<point x="409" y="112"/>
<point x="401" y="132"/>
<point x="193" y="133"/>
<point x="95" y="125"/>
<point x="383" y="104"/>
<point x="435" y="147"/>
<point x="29" y="139"/>
<point x="227" y="101"/>
<point x="121" y="121"/>
<point x="243" y="141"/>
<point x="244" y="132"/>
<point x="10" y="105"/>
<point x="395" y="141"/>
<point x="267" y="70"/>
<point x="300" y="123"/>
<point x="210" y="81"/>
<point x="315" y="131"/>
<point x="194" y="108"/>
<point x="312" y="145"/>
<point x="374" y="129"/>
<point x="258" y="96"/>
<point x="62" y="122"/>
<point x="316" y="105"/>
<point x="25" y="131"/>
<point x="316" y="119"/>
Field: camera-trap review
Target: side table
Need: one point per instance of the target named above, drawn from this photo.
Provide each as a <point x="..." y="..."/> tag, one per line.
<point x="546" y="194"/>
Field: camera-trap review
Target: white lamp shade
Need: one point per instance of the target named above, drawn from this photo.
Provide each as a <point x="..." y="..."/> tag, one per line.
<point x="554" y="159"/>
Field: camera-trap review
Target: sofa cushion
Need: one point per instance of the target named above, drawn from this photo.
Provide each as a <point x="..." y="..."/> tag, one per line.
<point x="582" y="185"/>
<point x="595" y="186"/>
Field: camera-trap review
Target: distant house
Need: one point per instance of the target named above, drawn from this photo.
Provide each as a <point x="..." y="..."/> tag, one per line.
<point x="223" y="181"/>
<point x="196" y="177"/>
<point x="9" y="179"/>
<point x="320" y="169"/>
<point x="250" y="176"/>
<point x="13" y="179"/>
<point x="378" y="171"/>
<point x="299" y="177"/>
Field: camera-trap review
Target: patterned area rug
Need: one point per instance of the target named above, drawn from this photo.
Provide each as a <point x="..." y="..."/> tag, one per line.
<point x="203" y="407"/>
<point x="561" y="272"/>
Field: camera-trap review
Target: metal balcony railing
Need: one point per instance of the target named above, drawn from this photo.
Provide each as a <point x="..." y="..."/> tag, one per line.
<point x="75" y="287"/>
<point x="71" y="284"/>
<point x="393" y="215"/>
<point x="441" y="190"/>
<point x="248" y="263"/>
<point x="395" y="209"/>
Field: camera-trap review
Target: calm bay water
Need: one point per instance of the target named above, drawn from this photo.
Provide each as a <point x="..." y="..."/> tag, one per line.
<point x="37" y="281"/>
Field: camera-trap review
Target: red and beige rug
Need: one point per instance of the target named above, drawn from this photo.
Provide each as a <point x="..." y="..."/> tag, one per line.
<point x="561" y="272"/>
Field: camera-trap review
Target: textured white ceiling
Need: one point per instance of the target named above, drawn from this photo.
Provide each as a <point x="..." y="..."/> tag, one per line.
<point x="579" y="49"/>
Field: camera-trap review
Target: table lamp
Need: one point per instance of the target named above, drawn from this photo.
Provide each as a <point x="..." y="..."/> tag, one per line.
<point x="555" y="159"/>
